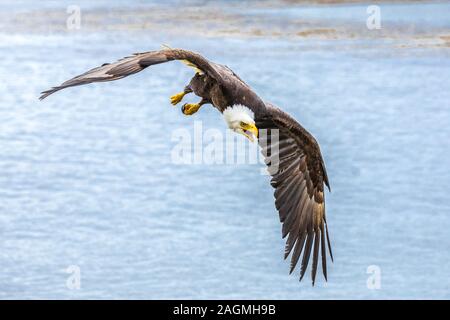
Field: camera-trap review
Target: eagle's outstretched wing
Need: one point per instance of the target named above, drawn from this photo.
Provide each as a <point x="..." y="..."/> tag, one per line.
<point x="298" y="176"/>
<point x="135" y="63"/>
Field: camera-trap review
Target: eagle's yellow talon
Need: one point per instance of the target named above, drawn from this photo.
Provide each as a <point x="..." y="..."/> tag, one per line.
<point x="177" y="98"/>
<point x="190" y="108"/>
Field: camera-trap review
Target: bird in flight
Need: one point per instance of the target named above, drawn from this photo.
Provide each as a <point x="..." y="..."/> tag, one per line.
<point x="291" y="153"/>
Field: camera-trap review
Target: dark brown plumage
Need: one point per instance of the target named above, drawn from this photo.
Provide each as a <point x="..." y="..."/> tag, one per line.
<point x="298" y="179"/>
<point x="292" y="154"/>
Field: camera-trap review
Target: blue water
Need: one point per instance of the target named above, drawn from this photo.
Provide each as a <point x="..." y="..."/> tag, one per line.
<point x="415" y="15"/>
<point x="87" y="177"/>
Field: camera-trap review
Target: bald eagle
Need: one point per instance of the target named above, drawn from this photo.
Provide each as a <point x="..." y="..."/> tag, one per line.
<point x="300" y="173"/>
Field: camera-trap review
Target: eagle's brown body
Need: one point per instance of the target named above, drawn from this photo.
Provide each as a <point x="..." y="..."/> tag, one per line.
<point x="300" y="173"/>
<point x="230" y="90"/>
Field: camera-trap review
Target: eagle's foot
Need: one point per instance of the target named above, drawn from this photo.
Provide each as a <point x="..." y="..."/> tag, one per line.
<point x="190" y="108"/>
<point x="176" y="98"/>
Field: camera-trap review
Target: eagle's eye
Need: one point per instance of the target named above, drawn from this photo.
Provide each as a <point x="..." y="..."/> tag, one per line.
<point x="242" y="124"/>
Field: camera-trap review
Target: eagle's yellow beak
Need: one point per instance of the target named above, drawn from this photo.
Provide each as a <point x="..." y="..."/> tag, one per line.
<point x="250" y="131"/>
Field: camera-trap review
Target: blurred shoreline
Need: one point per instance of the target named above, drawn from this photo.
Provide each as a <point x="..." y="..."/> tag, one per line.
<point x="328" y="20"/>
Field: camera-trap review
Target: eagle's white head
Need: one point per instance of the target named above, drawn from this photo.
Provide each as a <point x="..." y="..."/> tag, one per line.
<point x="241" y="119"/>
